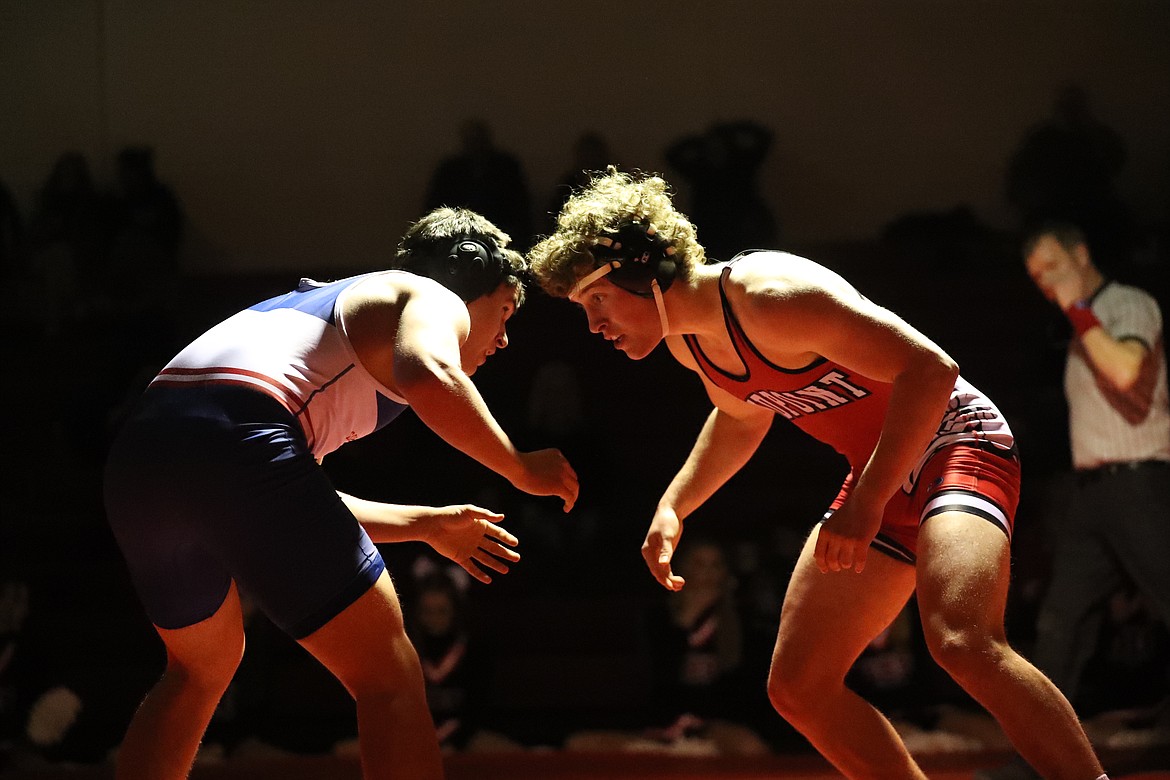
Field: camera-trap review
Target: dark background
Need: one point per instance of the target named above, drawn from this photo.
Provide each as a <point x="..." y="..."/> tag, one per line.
<point x="299" y="141"/>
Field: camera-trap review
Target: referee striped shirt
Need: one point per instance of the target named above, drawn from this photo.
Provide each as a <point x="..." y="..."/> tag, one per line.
<point x="1108" y="426"/>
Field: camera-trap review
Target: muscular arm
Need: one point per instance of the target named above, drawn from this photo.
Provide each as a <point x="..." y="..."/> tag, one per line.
<point x="428" y="374"/>
<point x="813" y="311"/>
<point x="730" y="436"/>
<point x="408" y="335"/>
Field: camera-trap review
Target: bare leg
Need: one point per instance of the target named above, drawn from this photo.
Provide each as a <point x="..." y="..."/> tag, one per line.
<point x="963" y="576"/>
<point x="165" y="732"/>
<point x="366" y="648"/>
<point x="826" y="622"/>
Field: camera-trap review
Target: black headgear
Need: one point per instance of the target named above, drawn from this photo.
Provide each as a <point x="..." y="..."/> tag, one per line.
<point x="473" y="266"/>
<point x="642" y="256"/>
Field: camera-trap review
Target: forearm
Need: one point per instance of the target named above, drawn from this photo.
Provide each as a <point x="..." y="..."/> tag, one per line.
<point x="724" y="445"/>
<point x="918" y="400"/>
<point x="450" y="405"/>
<point x="389" y="523"/>
<point x="1118" y="362"/>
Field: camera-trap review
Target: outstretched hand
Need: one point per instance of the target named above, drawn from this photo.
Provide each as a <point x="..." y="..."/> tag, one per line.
<point x="658" y="549"/>
<point x="470" y="536"/>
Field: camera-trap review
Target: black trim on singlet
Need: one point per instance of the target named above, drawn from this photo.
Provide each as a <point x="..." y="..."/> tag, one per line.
<point x="732" y="324"/>
<point x="899" y="552"/>
<point x="965" y="508"/>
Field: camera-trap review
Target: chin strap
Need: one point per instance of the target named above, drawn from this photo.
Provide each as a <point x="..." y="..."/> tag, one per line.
<point x="658" y="302"/>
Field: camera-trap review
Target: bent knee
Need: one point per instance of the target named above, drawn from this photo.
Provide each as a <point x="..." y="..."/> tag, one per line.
<point x="212" y="668"/>
<point x="794" y="689"/>
<point x="965" y="651"/>
<point x="385" y="671"/>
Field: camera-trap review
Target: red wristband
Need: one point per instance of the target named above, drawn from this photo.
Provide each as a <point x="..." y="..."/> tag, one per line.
<point x="1081" y="317"/>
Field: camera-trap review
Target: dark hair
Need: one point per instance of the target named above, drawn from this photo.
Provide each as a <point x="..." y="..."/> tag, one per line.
<point x="462" y="251"/>
<point x="1067" y="234"/>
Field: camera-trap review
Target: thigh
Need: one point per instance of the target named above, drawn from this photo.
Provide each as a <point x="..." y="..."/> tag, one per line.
<point x="152" y="490"/>
<point x="289" y="540"/>
<point x="364" y="644"/>
<point x="964" y="566"/>
<point x="828" y="618"/>
<point x="211" y="647"/>
<point x="207" y="488"/>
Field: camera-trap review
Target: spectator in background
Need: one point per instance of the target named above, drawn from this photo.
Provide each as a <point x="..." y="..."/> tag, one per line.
<point x="1066" y="169"/>
<point x="68" y="241"/>
<point x="13" y="694"/>
<point x="722" y="166"/>
<point x="1129" y="670"/>
<point x="591" y="152"/>
<point x="148" y="227"/>
<point x="484" y="179"/>
<point x="455" y="667"/>
<point x="697" y="651"/>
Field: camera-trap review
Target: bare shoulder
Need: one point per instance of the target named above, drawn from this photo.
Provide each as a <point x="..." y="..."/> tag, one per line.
<point x="395" y="291"/>
<point x="762" y="281"/>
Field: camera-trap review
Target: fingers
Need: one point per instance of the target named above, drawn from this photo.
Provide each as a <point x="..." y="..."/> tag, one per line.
<point x="475" y="571"/>
<point x="486" y="558"/>
<point x="835" y="553"/>
<point x="665" y="552"/>
<point x="570" y="487"/>
<point x="657" y="559"/>
<point x="859" y="556"/>
<point x="499" y="551"/>
<point x="845" y="555"/>
<point x="494" y="532"/>
<point x="495" y="564"/>
<point x="821" y="550"/>
<point x="484" y="514"/>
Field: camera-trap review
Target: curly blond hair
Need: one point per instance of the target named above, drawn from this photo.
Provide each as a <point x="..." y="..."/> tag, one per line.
<point x="609" y="199"/>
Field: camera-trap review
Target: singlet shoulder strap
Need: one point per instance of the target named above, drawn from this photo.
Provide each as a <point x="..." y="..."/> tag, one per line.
<point x="745" y="350"/>
<point x="712" y="371"/>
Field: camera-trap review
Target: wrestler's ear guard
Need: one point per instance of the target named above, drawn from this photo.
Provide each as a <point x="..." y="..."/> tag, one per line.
<point x="640" y="257"/>
<point x="472" y="267"/>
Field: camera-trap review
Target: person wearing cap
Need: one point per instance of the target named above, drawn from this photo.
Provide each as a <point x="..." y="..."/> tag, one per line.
<point x="927" y="507"/>
<point x="214" y="485"/>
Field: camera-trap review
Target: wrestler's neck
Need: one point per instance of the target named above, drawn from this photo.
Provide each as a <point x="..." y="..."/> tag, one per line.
<point x="694" y="306"/>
